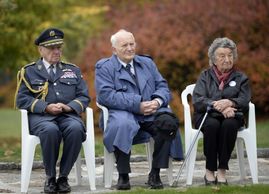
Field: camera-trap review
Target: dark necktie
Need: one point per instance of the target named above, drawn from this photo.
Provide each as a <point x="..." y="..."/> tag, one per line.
<point x="52" y="74"/>
<point x="128" y="69"/>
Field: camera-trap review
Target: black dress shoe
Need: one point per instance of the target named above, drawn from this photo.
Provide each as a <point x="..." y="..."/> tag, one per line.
<point x="209" y="183"/>
<point x="62" y="185"/>
<point x="50" y="185"/>
<point x="221" y="183"/>
<point x="154" y="181"/>
<point x="123" y="182"/>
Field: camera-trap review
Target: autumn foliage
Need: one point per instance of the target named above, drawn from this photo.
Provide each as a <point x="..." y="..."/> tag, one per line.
<point x="177" y="34"/>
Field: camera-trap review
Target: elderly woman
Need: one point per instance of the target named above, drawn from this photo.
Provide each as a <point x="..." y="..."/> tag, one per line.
<point x="226" y="90"/>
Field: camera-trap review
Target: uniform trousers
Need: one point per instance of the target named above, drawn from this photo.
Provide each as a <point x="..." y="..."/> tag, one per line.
<point x="51" y="133"/>
<point x="160" y="154"/>
<point x="219" y="141"/>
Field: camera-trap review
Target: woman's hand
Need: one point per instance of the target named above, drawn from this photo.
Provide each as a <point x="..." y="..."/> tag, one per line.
<point x="221" y="105"/>
<point x="229" y="112"/>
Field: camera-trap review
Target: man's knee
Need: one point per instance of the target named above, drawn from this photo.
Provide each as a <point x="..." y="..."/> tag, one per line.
<point x="76" y="130"/>
<point x="49" y="132"/>
<point x="49" y="129"/>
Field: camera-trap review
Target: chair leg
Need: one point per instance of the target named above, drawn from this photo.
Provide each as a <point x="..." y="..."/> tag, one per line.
<point x="27" y="159"/>
<point x="109" y="162"/>
<point x="240" y="157"/>
<point x="149" y="152"/>
<point x="251" y="149"/>
<point x="78" y="170"/>
<point x="90" y="163"/>
<point x="169" y="171"/>
<point x="190" y="164"/>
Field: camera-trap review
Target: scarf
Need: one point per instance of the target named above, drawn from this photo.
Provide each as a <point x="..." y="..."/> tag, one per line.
<point x="222" y="77"/>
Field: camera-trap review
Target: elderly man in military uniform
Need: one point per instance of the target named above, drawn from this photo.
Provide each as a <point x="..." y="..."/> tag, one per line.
<point x="55" y="95"/>
<point x="136" y="96"/>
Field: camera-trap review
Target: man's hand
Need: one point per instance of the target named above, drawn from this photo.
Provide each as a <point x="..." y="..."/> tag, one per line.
<point x="65" y="108"/>
<point x="54" y="109"/>
<point x="149" y="107"/>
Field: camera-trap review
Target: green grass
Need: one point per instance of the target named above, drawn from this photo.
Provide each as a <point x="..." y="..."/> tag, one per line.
<point x="10" y="134"/>
<point x="263" y="133"/>
<point x="10" y="123"/>
<point x="244" y="189"/>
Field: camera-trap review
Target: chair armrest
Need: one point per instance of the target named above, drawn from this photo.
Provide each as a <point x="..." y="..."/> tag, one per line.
<point x="105" y="114"/>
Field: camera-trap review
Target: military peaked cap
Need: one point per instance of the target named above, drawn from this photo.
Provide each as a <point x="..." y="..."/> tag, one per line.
<point x="50" y="37"/>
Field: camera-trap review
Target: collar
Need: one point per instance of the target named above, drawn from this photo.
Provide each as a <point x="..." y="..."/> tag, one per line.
<point x="116" y="62"/>
<point x="125" y="64"/>
<point x="46" y="63"/>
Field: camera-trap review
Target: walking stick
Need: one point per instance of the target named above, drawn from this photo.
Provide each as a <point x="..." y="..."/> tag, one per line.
<point x="190" y="149"/>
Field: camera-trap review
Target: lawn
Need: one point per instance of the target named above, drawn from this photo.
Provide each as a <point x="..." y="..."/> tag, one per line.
<point x="244" y="189"/>
<point x="10" y="134"/>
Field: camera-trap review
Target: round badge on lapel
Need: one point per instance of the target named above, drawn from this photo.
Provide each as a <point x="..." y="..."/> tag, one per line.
<point x="232" y="83"/>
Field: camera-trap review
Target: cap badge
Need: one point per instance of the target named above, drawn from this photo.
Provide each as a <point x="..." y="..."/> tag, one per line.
<point x="52" y="33"/>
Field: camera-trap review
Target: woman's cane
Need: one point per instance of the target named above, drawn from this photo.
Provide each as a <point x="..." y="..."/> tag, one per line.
<point x="190" y="149"/>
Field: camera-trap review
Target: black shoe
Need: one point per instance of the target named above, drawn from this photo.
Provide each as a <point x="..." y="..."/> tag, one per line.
<point x="221" y="183"/>
<point x="123" y="182"/>
<point x="154" y="181"/>
<point x="62" y="185"/>
<point x="50" y="185"/>
<point x="209" y="183"/>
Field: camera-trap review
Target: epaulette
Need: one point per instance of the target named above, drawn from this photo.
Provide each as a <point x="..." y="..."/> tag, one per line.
<point x="101" y="62"/>
<point x="30" y="64"/>
<point x="67" y="63"/>
<point x="146" y="56"/>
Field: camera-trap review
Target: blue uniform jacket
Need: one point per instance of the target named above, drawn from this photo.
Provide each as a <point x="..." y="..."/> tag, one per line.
<point x="68" y="87"/>
<point x="116" y="90"/>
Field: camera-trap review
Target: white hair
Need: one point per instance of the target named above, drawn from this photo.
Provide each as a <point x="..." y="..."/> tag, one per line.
<point x="115" y="36"/>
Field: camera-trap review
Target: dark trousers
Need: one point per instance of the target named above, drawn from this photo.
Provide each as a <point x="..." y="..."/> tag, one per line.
<point x="160" y="154"/>
<point x="51" y="133"/>
<point x="219" y="140"/>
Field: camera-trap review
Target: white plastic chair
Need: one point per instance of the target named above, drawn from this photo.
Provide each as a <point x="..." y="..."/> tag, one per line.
<point x="246" y="135"/>
<point x="109" y="158"/>
<point x="29" y="142"/>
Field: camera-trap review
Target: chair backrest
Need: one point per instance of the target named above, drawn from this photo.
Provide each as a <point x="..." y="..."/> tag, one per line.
<point x="187" y="113"/>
